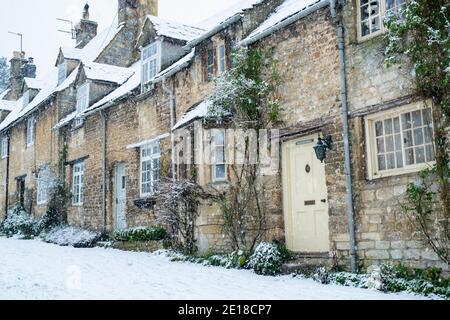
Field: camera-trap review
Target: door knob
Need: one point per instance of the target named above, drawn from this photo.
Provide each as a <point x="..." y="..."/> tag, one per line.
<point x="324" y="200"/>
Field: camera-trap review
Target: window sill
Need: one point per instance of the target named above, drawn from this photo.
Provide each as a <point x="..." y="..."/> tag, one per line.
<point x="402" y="172"/>
<point x="145" y="202"/>
<point x="77" y="205"/>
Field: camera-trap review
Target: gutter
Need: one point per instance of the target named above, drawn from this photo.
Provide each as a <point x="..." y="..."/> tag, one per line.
<point x="171" y="94"/>
<point x="348" y="169"/>
<point x="284" y="23"/>
<point x="104" y="171"/>
<point x="7" y="179"/>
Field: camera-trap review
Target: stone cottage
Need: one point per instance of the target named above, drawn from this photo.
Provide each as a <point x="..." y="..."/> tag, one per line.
<point x="119" y="99"/>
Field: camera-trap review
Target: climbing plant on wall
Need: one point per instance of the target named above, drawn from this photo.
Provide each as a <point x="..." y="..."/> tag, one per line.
<point x="419" y="37"/>
<point x="247" y="96"/>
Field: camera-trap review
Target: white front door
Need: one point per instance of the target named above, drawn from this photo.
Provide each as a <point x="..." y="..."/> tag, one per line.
<point x="305" y="197"/>
<point x="120" y="197"/>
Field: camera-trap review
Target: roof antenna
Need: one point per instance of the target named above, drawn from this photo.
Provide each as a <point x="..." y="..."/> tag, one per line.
<point x="72" y="30"/>
<point x="21" y="39"/>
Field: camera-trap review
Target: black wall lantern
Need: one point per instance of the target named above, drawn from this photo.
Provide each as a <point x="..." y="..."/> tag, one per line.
<point x="321" y="147"/>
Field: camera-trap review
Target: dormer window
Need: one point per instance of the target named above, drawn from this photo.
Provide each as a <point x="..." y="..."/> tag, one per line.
<point x="31" y="130"/>
<point x="26" y="98"/>
<point x="216" y="61"/>
<point x="82" y="98"/>
<point x="151" y="62"/>
<point x="62" y="72"/>
<point x="4" y="147"/>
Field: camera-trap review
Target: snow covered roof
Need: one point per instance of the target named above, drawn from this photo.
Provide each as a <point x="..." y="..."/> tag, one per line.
<point x="94" y="47"/>
<point x="66" y="120"/>
<point x="224" y="15"/>
<point x="6" y="105"/>
<point x="135" y="80"/>
<point x="49" y="85"/>
<point x="4" y="93"/>
<point x="177" y="66"/>
<point x="198" y="111"/>
<point x="289" y="9"/>
<point x="33" y="83"/>
<point x="132" y="83"/>
<point x="175" y="30"/>
<point x="106" y="72"/>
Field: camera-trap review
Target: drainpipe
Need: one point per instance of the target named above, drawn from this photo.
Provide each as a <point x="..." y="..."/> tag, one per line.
<point x="102" y="113"/>
<point x="7" y="178"/>
<point x="348" y="171"/>
<point x="171" y="94"/>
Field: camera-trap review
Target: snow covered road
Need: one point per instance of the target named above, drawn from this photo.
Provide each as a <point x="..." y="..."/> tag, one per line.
<point x="36" y="270"/>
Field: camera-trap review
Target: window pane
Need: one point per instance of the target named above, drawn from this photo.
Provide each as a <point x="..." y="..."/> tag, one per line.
<point x="380" y="145"/>
<point x="381" y="163"/>
<point x="399" y="156"/>
<point x="407" y="135"/>
<point x="398" y="142"/>
<point x="379" y="128"/>
<point x="418" y="136"/>
<point x="390" y="159"/>
<point x="409" y="154"/>
<point x="420" y="154"/>
<point x="397" y="125"/>
<point x="389" y="143"/>
<point x="220" y="171"/>
<point x="375" y="24"/>
<point x="388" y="126"/>
<point x="429" y="149"/>
<point x="406" y="121"/>
<point x="417" y="119"/>
<point x="365" y="12"/>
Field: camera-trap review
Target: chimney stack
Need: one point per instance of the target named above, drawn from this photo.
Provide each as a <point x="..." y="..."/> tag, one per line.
<point x="16" y="74"/>
<point x="85" y="30"/>
<point x="29" y="69"/>
<point x="133" y="12"/>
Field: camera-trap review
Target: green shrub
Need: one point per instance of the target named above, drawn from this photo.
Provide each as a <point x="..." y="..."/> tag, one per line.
<point x="49" y="220"/>
<point x="141" y="234"/>
<point x="266" y="260"/>
<point x="286" y="254"/>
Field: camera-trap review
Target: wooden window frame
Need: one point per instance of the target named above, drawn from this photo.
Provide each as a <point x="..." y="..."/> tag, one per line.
<point x="4" y="147"/>
<point x="149" y="157"/>
<point x="31" y="131"/>
<point x="371" y="151"/>
<point x="78" y="195"/>
<point x="382" y="14"/>
<point x="62" y="72"/>
<point x="214" y="147"/>
<point x="146" y="76"/>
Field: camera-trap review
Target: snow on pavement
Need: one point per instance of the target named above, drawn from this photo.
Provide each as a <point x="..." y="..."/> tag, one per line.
<point x="36" y="270"/>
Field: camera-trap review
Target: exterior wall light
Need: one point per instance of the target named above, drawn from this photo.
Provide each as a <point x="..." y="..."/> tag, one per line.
<point x="321" y="147"/>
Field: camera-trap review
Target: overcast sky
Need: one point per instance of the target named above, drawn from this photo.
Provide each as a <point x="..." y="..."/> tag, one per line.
<point x="36" y="20"/>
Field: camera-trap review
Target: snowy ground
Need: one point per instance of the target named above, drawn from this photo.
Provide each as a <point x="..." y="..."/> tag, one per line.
<point x="36" y="270"/>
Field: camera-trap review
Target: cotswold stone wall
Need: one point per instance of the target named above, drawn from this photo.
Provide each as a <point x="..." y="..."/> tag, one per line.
<point x="384" y="232"/>
<point x="26" y="161"/>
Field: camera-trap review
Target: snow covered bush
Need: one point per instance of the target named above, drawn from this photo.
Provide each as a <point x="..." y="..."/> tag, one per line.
<point x="49" y="220"/>
<point x="74" y="237"/>
<point x="266" y="259"/>
<point x="21" y="223"/>
<point x="141" y="234"/>
<point x="390" y="278"/>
